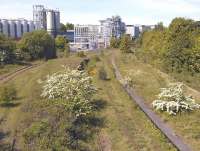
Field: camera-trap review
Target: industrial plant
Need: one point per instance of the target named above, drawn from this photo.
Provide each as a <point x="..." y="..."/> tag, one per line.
<point x="83" y="37"/>
<point x="46" y="19"/>
<point x="43" y="19"/>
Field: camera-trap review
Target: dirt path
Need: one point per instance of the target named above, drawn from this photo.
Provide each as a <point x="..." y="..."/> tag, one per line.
<point x="165" y="129"/>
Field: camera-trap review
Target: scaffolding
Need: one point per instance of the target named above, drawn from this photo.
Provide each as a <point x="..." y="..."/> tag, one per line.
<point x="39" y="17"/>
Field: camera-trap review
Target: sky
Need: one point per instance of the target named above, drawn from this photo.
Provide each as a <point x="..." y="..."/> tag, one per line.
<point x="146" y="12"/>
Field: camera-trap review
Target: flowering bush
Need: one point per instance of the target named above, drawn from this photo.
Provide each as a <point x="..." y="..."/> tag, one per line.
<point x="74" y="87"/>
<point x="173" y="100"/>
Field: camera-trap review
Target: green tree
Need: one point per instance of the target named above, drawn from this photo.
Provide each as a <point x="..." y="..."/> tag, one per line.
<point x="62" y="45"/>
<point x="37" y="45"/>
<point x="7" y="47"/>
<point x="125" y="44"/>
<point x="62" y="28"/>
<point x="114" y="42"/>
<point x="69" y="26"/>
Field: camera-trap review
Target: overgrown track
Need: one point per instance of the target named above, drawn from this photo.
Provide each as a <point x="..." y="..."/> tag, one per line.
<point x="6" y="78"/>
<point x="164" y="128"/>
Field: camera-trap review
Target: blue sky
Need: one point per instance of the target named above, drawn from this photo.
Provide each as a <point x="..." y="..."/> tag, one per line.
<point x="91" y="11"/>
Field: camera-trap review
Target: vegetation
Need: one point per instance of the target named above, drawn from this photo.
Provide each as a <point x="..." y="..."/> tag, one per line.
<point x="103" y="74"/>
<point x="114" y="42"/>
<point x="62" y="45"/>
<point x="81" y="54"/>
<point x="176" y="48"/>
<point x="173" y="100"/>
<point x="37" y="45"/>
<point x="8" y="94"/>
<point x="68" y="26"/>
<point x="7" y="50"/>
<point x="125" y="46"/>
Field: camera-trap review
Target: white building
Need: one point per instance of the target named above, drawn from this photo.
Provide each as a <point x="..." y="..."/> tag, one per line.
<point x="133" y="31"/>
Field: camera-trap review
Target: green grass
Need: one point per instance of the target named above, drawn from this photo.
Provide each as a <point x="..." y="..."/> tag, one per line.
<point x="9" y="68"/>
<point x="148" y="81"/>
<point x="126" y="127"/>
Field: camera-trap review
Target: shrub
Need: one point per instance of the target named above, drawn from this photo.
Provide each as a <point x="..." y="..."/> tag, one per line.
<point x="73" y="89"/>
<point x="81" y="54"/>
<point x="8" y="94"/>
<point x="103" y="74"/>
<point x="173" y="100"/>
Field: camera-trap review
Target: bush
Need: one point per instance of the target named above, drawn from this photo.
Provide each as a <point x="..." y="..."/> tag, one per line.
<point x="103" y="74"/>
<point x="73" y="88"/>
<point x="8" y="94"/>
<point x="173" y="100"/>
<point x="81" y="54"/>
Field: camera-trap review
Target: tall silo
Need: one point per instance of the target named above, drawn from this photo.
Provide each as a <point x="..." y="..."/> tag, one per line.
<point x="25" y="26"/>
<point x="51" y="22"/>
<point x="18" y="28"/>
<point x="31" y="26"/>
<point x="1" y="28"/>
<point x="12" y="32"/>
<point x="57" y="20"/>
<point x="5" y="27"/>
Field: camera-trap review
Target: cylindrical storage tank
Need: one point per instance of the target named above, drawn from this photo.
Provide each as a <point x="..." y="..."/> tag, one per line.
<point x="25" y="26"/>
<point x="31" y="26"/>
<point x="12" y="32"/>
<point x="1" y="28"/>
<point x="5" y="27"/>
<point x="57" y="20"/>
<point x="51" y="22"/>
<point x="18" y="28"/>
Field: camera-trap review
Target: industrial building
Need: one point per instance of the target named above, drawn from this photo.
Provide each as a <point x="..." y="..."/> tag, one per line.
<point x="46" y="19"/>
<point x="133" y="31"/>
<point x="16" y="28"/>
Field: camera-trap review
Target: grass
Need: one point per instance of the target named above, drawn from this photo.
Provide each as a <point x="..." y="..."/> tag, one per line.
<point x="9" y="68"/>
<point x="125" y="128"/>
<point x="148" y="81"/>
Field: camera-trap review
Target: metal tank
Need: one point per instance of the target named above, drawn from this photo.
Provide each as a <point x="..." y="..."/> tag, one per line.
<point x="12" y="32"/>
<point x="1" y="28"/>
<point x="25" y="26"/>
<point x="51" y="22"/>
<point x="31" y="26"/>
<point x="5" y="27"/>
<point x="57" y="20"/>
<point x="18" y="28"/>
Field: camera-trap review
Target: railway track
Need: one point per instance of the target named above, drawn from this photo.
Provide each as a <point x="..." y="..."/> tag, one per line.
<point x="177" y="141"/>
<point x="7" y="77"/>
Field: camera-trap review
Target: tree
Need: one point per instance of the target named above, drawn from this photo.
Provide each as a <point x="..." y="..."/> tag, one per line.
<point x="69" y="26"/>
<point x="37" y="45"/>
<point x="114" y="42"/>
<point x="62" y="28"/>
<point x="62" y="45"/>
<point x="7" y="47"/>
<point x="125" y="44"/>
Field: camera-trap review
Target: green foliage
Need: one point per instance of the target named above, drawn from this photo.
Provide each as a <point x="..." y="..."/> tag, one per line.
<point x="37" y="45"/>
<point x="176" y="48"/>
<point x="81" y="54"/>
<point x="62" y="28"/>
<point x="125" y="44"/>
<point x="114" y="42"/>
<point x="7" y="94"/>
<point x="69" y="26"/>
<point x="103" y="74"/>
<point x="62" y="45"/>
<point x="7" y="47"/>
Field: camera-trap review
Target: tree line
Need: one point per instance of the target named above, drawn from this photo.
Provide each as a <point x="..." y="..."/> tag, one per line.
<point x="32" y="46"/>
<point x="175" y="48"/>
